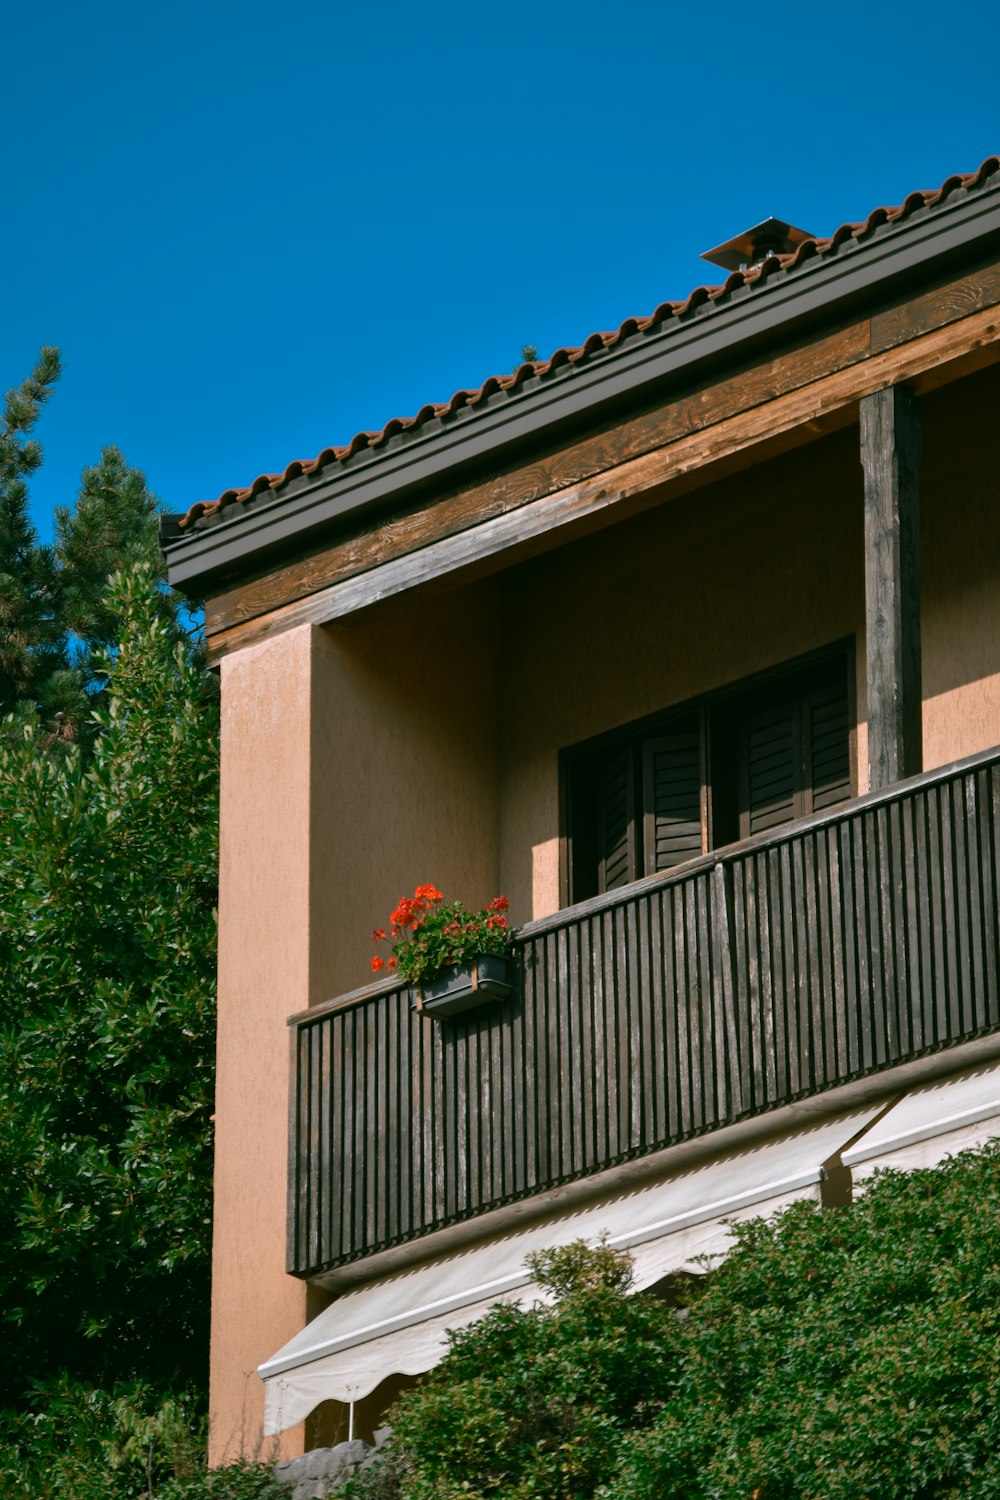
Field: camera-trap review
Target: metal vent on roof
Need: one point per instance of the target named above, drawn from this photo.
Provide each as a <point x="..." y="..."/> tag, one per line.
<point x="772" y="237"/>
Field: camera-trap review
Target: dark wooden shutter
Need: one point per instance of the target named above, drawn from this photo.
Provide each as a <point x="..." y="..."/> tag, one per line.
<point x="672" y="801"/>
<point x="770" y="769"/>
<point x="795" y="758"/>
<point x="616" y="823"/>
<point x="828" y="763"/>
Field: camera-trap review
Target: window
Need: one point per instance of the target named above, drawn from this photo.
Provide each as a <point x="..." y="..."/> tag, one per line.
<point x="651" y="795"/>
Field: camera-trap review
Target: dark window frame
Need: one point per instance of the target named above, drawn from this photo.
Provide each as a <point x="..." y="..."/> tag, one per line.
<point x="716" y="716"/>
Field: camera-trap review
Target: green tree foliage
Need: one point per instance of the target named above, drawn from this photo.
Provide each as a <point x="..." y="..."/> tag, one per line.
<point x="843" y="1354"/>
<point x="56" y="617"/>
<point x="30" y="645"/>
<point x="111" y="527"/>
<point x="78" y="1442"/>
<point x="846" y="1354"/>
<point x="107" y="965"/>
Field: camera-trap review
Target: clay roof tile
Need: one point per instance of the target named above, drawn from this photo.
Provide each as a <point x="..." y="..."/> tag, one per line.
<point x="596" y="342"/>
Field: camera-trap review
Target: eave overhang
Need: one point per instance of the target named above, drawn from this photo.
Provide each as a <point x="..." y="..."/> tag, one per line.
<point x="898" y="257"/>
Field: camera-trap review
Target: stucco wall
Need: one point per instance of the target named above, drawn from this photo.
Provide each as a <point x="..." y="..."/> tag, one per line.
<point x="706" y="590"/>
<point x="354" y="765"/>
<point x="263" y="978"/>
<point x="405" y="787"/>
<point x="960" y="548"/>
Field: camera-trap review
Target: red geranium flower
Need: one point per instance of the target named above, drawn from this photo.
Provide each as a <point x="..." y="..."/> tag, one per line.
<point x="428" y="935"/>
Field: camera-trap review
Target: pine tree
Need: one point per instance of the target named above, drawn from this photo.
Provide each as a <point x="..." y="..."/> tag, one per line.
<point x="55" y="619"/>
<point x="31" y="645"/>
<point x="111" y="527"/>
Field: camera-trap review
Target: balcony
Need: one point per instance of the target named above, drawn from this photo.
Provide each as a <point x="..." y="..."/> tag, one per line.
<point x="770" y="971"/>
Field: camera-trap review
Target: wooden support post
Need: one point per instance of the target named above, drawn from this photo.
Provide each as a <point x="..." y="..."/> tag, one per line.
<point x="890" y="455"/>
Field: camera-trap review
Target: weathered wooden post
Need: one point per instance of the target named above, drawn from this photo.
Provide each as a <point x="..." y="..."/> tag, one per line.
<point x="890" y="456"/>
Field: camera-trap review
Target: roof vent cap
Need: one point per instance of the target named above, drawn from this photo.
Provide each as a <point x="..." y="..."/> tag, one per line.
<point x="772" y="237"/>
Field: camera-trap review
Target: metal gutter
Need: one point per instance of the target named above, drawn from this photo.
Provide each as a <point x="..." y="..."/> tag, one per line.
<point x="960" y="228"/>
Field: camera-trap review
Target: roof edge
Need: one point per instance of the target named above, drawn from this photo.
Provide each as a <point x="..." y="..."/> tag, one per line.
<point x="964" y="223"/>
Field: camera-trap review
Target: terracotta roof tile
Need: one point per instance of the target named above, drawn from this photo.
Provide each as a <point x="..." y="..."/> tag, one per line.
<point x="597" y="342"/>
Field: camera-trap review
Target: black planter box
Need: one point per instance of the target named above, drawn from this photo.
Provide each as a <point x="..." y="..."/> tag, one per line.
<point x="488" y="978"/>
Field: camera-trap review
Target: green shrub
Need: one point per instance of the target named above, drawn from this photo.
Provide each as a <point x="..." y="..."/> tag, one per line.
<point x="79" y="1442"/>
<point x="533" y="1401"/>
<point x="842" y="1354"/>
<point x="848" y="1354"/>
<point x="92" y="1444"/>
<point x="234" y="1482"/>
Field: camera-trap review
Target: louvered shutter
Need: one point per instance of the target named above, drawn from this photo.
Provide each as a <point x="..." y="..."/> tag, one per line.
<point x="828" y="767"/>
<point x="770" y="767"/>
<point x="616" y="823"/>
<point x="672" y="803"/>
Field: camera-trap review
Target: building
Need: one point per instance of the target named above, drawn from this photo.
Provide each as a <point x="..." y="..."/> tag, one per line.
<point x="688" y="641"/>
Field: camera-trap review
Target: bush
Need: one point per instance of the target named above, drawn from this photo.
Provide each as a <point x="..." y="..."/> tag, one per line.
<point x="79" y="1442"/>
<point x="842" y="1354"/>
<point x="847" y="1354"/>
<point x="234" y="1482"/>
<point x="533" y="1401"/>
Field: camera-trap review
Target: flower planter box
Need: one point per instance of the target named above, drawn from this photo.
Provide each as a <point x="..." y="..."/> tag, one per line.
<point x="488" y="978"/>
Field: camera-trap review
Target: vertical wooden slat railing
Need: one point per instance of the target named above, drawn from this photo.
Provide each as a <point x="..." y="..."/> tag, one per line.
<point x="773" y="970"/>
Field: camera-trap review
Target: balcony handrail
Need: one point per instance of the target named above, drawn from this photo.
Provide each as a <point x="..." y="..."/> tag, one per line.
<point x="725" y="854"/>
<point x="771" y="970"/>
<point x="772" y="838"/>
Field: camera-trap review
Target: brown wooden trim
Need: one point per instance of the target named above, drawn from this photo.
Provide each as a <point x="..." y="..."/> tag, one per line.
<point x="890" y="455"/>
<point x="695" y="459"/>
<point x="344" y="1002"/>
<point x="943" y="304"/>
<point x="688" y="412"/>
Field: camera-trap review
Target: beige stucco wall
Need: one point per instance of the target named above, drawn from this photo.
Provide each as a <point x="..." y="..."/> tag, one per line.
<point x="960" y="548"/>
<point x="354" y="765"/>
<point x="739" y="577"/>
<point x="264" y="951"/>
<point x="405" y="787"/>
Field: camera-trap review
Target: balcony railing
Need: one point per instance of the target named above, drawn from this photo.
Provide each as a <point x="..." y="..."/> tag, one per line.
<point x="775" y="969"/>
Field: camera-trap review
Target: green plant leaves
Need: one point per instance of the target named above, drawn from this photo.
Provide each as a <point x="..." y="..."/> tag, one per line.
<point x="107" y="966"/>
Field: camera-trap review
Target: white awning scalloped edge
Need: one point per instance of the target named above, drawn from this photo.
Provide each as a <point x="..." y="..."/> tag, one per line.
<point x="399" y="1324"/>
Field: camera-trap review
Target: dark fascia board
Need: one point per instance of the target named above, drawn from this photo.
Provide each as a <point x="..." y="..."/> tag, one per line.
<point x="964" y="226"/>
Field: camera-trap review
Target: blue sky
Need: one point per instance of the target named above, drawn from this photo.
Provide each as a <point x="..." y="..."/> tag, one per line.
<point x="254" y="229"/>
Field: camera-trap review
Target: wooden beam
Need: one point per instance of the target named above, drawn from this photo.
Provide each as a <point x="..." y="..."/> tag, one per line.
<point x="685" y="411"/>
<point x="392" y="537"/>
<point x="948" y="302"/>
<point x="890" y="456"/>
<point x="674" y="469"/>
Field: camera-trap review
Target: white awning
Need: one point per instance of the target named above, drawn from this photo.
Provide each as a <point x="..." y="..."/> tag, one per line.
<point x="954" y="1114"/>
<point x="398" y="1324"/>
